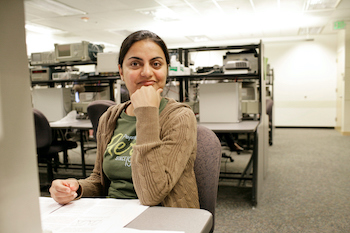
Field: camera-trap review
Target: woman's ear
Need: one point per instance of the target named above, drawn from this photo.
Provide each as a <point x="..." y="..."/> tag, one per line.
<point x="121" y="72"/>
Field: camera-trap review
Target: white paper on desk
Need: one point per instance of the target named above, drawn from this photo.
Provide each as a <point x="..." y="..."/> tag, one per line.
<point x="130" y="230"/>
<point x="92" y="215"/>
<point x="47" y="206"/>
<point x="69" y="118"/>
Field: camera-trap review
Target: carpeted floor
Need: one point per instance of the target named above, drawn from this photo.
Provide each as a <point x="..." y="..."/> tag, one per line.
<point x="307" y="187"/>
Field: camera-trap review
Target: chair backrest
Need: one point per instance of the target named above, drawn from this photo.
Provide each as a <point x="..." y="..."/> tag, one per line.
<point x="269" y="105"/>
<point x="43" y="133"/>
<point x="207" y="168"/>
<point x="95" y="110"/>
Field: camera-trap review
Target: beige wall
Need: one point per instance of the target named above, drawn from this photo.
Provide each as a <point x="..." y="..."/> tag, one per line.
<point x="19" y="192"/>
<point x="343" y="82"/>
<point x="305" y="81"/>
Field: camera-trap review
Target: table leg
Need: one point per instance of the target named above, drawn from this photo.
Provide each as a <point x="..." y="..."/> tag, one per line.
<point x="82" y="152"/>
<point x="255" y="168"/>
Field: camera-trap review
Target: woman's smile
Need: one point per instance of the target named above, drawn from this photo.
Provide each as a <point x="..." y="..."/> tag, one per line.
<point x="147" y="83"/>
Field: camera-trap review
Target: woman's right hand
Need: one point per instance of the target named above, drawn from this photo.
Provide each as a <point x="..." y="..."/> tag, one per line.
<point x="64" y="191"/>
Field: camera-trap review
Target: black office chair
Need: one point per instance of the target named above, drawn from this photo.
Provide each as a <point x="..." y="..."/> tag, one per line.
<point x="47" y="148"/>
<point x="95" y="110"/>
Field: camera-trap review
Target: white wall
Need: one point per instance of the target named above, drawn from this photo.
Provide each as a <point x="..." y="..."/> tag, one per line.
<point x="19" y="181"/>
<point x="305" y="81"/>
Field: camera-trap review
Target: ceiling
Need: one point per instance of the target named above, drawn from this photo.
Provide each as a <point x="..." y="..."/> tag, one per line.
<point x="179" y="21"/>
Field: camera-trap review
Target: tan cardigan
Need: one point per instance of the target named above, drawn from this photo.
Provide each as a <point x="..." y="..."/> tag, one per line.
<point x="163" y="157"/>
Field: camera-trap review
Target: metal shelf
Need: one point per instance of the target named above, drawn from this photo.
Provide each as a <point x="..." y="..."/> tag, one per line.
<point x="67" y="63"/>
<point x="218" y="76"/>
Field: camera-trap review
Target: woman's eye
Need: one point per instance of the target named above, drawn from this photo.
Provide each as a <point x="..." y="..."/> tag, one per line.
<point x="157" y="64"/>
<point x="134" y="63"/>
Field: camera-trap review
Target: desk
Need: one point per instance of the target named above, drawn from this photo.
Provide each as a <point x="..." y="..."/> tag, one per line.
<point x="80" y="125"/>
<point x="173" y="219"/>
<point x="239" y="127"/>
<point x="244" y="127"/>
<point x="114" y="215"/>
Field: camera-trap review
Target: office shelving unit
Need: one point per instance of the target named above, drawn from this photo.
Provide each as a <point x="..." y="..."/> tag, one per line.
<point x="95" y="79"/>
<point x="184" y="80"/>
<point x="259" y="162"/>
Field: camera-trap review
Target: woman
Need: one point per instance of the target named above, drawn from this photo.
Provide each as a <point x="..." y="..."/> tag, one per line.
<point x="146" y="147"/>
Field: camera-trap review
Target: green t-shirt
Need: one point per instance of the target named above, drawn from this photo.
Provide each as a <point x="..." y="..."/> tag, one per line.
<point x="117" y="157"/>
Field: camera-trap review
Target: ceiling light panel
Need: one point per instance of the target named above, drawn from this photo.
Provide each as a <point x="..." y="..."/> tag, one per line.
<point x="55" y="7"/>
<point x="170" y="2"/>
<point x="321" y="5"/>
<point x="42" y="29"/>
<point x="310" y="30"/>
<point x="160" y="14"/>
<point x="295" y="6"/>
<point x="124" y="33"/>
<point x="200" y="38"/>
<point x="236" y="7"/>
<point x="93" y="6"/>
<point x="132" y="4"/>
<point x="207" y="8"/>
<point x="265" y="5"/>
<point x="185" y="12"/>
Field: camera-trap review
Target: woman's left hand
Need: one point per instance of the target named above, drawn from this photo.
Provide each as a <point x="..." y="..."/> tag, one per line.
<point x="146" y="96"/>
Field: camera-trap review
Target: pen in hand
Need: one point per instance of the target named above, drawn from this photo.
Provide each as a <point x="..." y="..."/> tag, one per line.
<point x="64" y="191"/>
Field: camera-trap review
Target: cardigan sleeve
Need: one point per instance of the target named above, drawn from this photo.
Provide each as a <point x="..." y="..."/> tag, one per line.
<point x="92" y="185"/>
<point x="162" y="152"/>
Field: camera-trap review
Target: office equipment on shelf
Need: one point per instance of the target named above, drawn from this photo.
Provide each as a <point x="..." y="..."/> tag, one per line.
<point x="250" y="107"/>
<point x="40" y="74"/>
<point x="83" y="51"/>
<point x="54" y="103"/>
<point x="94" y="92"/>
<point x="209" y="69"/>
<point x="65" y="75"/>
<point x="225" y="97"/>
<point x="250" y="100"/>
<point x="107" y="63"/>
<point x="176" y="68"/>
<point x="240" y="59"/>
<point x="88" y="95"/>
<point x="43" y="58"/>
<point x="249" y="91"/>
<point x="236" y="67"/>
<point x="80" y="107"/>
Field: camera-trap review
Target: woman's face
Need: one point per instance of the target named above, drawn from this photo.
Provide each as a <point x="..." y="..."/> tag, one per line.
<point x="144" y="65"/>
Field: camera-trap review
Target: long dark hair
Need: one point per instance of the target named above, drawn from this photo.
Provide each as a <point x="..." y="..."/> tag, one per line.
<point x="138" y="36"/>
